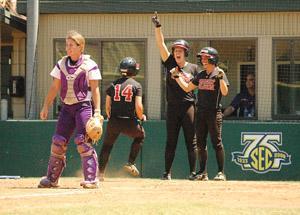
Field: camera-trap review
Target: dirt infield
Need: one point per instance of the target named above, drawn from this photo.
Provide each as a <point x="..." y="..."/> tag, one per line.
<point x="150" y="196"/>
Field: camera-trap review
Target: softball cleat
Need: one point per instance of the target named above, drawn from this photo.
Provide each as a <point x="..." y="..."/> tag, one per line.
<point x="131" y="169"/>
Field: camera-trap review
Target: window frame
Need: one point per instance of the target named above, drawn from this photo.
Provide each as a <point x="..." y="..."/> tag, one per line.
<point x="99" y="41"/>
<point x="209" y="42"/>
<point x="276" y="116"/>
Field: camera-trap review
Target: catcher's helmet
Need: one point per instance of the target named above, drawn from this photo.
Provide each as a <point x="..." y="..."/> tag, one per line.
<point x="129" y="66"/>
<point x="211" y="53"/>
<point x="182" y="44"/>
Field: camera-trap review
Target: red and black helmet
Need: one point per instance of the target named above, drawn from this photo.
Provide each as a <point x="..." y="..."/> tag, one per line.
<point x="211" y="53"/>
<point x="181" y="44"/>
<point x="129" y="66"/>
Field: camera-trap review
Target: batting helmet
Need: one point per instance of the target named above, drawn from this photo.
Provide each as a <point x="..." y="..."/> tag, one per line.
<point x="129" y="66"/>
<point x="94" y="128"/>
<point x="211" y="53"/>
<point x="181" y="44"/>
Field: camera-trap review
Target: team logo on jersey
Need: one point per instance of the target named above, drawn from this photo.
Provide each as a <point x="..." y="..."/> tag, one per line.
<point x="261" y="152"/>
<point x="207" y="84"/>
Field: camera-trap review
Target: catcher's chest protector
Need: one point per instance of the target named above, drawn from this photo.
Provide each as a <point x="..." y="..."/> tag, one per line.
<point x="74" y="87"/>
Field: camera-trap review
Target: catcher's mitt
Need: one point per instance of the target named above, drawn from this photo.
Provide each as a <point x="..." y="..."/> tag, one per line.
<point x="94" y="128"/>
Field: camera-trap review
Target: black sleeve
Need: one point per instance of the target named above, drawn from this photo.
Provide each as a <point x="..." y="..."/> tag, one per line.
<point x="110" y="90"/>
<point x="196" y="79"/>
<point x="196" y="69"/>
<point x="170" y="63"/>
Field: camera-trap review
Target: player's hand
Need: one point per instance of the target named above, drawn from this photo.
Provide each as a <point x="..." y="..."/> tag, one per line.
<point x="175" y="72"/>
<point x="144" y="118"/>
<point x="220" y="75"/>
<point x="155" y="20"/>
<point x="44" y="113"/>
<point x="97" y="113"/>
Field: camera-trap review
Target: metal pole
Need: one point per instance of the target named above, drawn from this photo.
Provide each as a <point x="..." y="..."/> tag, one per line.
<point x="32" y="33"/>
<point x="0" y="56"/>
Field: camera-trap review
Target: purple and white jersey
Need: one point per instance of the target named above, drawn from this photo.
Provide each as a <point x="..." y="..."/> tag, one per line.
<point x="75" y="78"/>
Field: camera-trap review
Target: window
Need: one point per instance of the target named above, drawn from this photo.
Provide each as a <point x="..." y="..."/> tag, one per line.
<point x="108" y="54"/>
<point x="236" y="58"/>
<point x="287" y="78"/>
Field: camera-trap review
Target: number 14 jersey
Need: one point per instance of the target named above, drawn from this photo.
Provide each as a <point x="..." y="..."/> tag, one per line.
<point x="123" y="92"/>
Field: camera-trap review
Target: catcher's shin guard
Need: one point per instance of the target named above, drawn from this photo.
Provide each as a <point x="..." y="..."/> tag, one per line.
<point x="55" y="168"/>
<point x="90" y="169"/>
<point x="57" y="162"/>
<point x="90" y="166"/>
<point x="89" y="160"/>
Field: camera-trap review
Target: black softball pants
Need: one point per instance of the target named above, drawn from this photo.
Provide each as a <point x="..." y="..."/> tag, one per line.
<point x="129" y="127"/>
<point x="210" y="122"/>
<point x="178" y="116"/>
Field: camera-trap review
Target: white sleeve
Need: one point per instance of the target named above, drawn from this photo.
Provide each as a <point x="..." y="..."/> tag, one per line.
<point x="55" y="72"/>
<point x="94" y="72"/>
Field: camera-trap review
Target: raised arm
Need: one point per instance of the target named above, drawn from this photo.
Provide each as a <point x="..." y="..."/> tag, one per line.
<point x="160" y="41"/>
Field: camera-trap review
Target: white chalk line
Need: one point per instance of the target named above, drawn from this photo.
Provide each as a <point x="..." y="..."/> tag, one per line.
<point x="45" y="194"/>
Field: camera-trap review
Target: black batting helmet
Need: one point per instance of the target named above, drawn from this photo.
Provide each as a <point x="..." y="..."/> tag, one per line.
<point x="129" y="66"/>
<point x="213" y="56"/>
<point x="181" y="44"/>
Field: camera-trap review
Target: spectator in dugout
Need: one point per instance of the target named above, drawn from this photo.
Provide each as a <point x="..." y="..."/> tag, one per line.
<point x="243" y="104"/>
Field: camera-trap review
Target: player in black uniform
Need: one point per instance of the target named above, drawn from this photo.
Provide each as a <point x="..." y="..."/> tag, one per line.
<point x="180" y="104"/>
<point x="124" y="108"/>
<point x="212" y="84"/>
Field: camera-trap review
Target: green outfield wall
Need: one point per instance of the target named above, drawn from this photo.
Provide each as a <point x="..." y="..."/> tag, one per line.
<point x="254" y="151"/>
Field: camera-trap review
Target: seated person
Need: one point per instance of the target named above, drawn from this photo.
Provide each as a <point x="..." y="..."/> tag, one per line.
<point x="244" y="101"/>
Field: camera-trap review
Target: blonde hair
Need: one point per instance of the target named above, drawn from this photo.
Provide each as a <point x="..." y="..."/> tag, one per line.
<point x="78" y="38"/>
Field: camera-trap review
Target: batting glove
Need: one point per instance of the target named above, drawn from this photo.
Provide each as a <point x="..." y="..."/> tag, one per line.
<point x="155" y="20"/>
<point x="220" y="75"/>
<point x="175" y="72"/>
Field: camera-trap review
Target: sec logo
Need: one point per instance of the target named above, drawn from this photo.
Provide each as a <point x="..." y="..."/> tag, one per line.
<point x="261" y="152"/>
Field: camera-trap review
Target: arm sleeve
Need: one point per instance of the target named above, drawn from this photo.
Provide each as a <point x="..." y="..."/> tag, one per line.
<point x="94" y="72"/>
<point x="110" y="90"/>
<point x="139" y="91"/>
<point x="196" y="70"/>
<point x="55" y="73"/>
<point x="195" y="80"/>
<point x="236" y="101"/>
<point x="226" y="79"/>
<point x="170" y="63"/>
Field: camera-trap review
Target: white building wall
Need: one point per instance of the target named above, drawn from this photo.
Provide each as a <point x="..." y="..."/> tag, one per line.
<point x="263" y="26"/>
<point x="18" y="69"/>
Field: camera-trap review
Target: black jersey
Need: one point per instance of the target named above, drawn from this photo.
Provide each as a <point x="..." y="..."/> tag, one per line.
<point x="176" y="95"/>
<point x="123" y="92"/>
<point x="209" y="94"/>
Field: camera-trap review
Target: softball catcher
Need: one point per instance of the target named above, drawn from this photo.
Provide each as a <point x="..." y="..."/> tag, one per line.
<point x="76" y="76"/>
